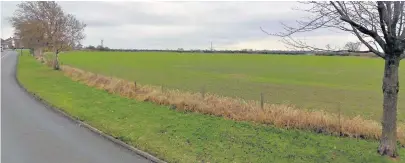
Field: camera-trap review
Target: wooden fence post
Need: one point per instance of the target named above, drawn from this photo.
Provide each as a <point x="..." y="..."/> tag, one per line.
<point x="340" y="122"/>
<point x="203" y="92"/>
<point x="261" y="100"/>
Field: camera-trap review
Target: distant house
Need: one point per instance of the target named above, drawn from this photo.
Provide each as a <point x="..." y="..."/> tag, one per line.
<point x="7" y="43"/>
<point x="17" y="43"/>
<point x="4" y="44"/>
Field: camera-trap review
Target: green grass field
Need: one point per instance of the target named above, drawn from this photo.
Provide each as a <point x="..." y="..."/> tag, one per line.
<point x="23" y="51"/>
<point x="310" y="82"/>
<point x="188" y="137"/>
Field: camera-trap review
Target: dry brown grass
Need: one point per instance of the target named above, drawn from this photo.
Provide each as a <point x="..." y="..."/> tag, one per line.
<point x="283" y="116"/>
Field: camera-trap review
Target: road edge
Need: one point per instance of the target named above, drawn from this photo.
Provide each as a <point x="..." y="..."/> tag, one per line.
<point x="81" y="123"/>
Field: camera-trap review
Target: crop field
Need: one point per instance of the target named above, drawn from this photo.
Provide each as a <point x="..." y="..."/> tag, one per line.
<point x="349" y="84"/>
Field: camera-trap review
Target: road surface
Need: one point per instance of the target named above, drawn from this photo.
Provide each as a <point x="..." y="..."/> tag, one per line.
<point x="31" y="133"/>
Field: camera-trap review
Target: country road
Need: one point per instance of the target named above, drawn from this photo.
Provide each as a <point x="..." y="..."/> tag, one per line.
<point x="31" y="133"/>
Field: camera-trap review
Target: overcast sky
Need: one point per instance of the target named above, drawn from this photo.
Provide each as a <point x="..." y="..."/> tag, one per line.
<point x="188" y="25"/>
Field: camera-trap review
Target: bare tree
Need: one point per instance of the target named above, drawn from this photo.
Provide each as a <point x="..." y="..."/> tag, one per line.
<point x="353" y="46"/>
<point x="328" y="47"/>
<point x="68" y="31"/>
<point x="45" y="23"/>
<point x="380" y="26"/>
<point x="30" y="34"/>
<point x="78" y="46"/>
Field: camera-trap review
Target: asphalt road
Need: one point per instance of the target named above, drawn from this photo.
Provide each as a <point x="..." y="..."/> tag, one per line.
<point x="31" y="133"/>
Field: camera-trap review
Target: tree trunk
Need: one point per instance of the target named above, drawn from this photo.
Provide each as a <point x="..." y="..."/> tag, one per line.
<point x="38" y="54"/>
<point x="32" y="52"/>
<point x="388" y="141"/>
<point x="56" y="61"/>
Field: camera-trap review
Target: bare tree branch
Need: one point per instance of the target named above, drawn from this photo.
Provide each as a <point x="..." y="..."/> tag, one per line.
<point x="402" y="37"/>
<point x="375" y="45"/>
<point x="358" y="12"/>
<point x="381" y="11"/>
<point x="397" y="12"/>
<point x="362" y="29"/>
<point x="56" y="30"/>
<point x="337" y="9"/>
<point x="362" y="19"/>
<point x="368" y="45"/>
<point x="302" y="45"/>
<point x="401" y="19"/>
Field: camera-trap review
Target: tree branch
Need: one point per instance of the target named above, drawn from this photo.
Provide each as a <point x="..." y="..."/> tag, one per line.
<point x="362" y="29"/>
<point x="306" y="26"/>
<point x="397" y="12"/>
<point x="376" y="45"/>
<point x="373" y="34"/>
<point x="373" y="27"/>
<point x="381" y="11"/>
<point x="402" y="23"/>
<point x="363" y="19"/>
<point x="337" y="9"/>
<point x="402" y="37"/>
<point x="401" y="17"/>
<point x="297" y="44"/>
<point x="389" y="12"/>
<point x="367" y="44"/>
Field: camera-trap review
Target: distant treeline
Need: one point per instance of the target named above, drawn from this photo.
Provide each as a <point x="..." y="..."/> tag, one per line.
<point x="244" y="51"/>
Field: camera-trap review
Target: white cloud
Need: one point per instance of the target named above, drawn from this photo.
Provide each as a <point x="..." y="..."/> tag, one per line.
<point x="129" y="24"/>
<point x="272" y="43"/>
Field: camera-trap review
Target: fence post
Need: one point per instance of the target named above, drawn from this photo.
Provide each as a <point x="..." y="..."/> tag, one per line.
<point x="261" y="100"/>
<point x="203" y="91"/>
<point x="340" y="123"/>
<point x="135" y="84"/>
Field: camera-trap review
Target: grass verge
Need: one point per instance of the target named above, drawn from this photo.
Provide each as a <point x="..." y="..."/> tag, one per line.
<point x="23" y="51"/>
<point x="186" y="136"/>
<point x="282" y="116"/>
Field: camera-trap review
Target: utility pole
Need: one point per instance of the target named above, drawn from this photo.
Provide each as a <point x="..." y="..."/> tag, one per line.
<point x="211" y="46"/>
<point x="102" y="43"/>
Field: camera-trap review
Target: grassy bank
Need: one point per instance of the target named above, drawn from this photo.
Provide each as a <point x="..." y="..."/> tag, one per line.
<point x="352" y="84"/>
<point x="188" y="137"/>
<point x="282" y="116"/>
